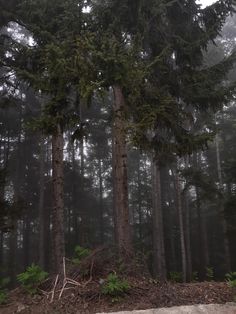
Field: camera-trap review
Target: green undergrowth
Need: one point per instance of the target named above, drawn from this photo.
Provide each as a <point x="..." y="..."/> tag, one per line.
<point x="32" y="278"/>
<point x="115" y="287"/>
<point x="3" y="290"/>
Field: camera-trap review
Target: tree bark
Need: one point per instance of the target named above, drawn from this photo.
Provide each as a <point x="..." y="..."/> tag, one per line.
<point x="188" y="240"/>
<point x="221" y="210"/>
<point x="120" y="184"/>
<point x="1" y="248"/>
<point x="75" y="213"/>
<point x="203" y="251"/>
<point x="101" y="201"/>
<point x="140" y="218"/>
<point x="26" y="240"/>
<point x="189" y="269"/>
<point x="58" y="238"/>
<point x="181" y="226"/>
<point x="159" y="260"/>
<point x="42" y="220"/>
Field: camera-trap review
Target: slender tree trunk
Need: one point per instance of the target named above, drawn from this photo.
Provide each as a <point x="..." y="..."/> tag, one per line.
<point x="83" y="228"/>
<point x="188" y="232"/>
<point x="170" y="196"/>
<point x="26" y="240"/>
<point x="120" y="184"/>
<point x="101" y="201"/>
<point x="1" y="250"/>
<point x="41" y="208"/>
<point x="140" y="203"/>
<point x="13" y="245"/>
<point x="58" y="239"/>
<point x="74" y="201"/>
<point x="203" y="251"/>
<point x="49" y="209"/>
<point x="181" y="226"/>
<point x="13" y="253"/>
<point x="159" y="260"/>
<point x="188" y="239"/>
<point x="221" y="210"/>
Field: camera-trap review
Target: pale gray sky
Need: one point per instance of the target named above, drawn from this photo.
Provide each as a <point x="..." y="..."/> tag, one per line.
<point x="206" y="2"/>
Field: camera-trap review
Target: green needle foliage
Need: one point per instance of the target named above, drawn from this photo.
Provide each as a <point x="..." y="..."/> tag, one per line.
<point x="32" y="278"/>
<point x="176" y="276"/>
<point x="114" y="286"/>
<point x="80" y="253"/>
<point x="3" y="291"/>
<point x="231" y="279"/>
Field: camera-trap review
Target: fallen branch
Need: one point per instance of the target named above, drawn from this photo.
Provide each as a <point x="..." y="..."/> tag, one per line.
<point x="54" y="288"/>
<point x="66" y="280"/>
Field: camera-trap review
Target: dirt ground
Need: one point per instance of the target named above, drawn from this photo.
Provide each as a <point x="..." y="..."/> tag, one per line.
<point x="144" y="294"/>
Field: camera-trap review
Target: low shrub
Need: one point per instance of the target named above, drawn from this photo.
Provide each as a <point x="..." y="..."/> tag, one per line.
<point x="231" y="279"/>
<point x="32" y="278"/>
<point x="3" y="291"/>
<point x="209" y="273"/>
<point x="175" y="276"/>
<point x="80" y="253"/>
<point x="115" y="286"/>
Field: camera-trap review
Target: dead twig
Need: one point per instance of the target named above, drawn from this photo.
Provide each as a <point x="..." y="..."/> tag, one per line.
<point x="91" y="274"/>
<point x="66" y="280"/>
<point x="54" y="288"/>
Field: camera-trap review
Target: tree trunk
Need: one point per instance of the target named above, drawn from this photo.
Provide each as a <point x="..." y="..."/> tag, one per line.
<point x="101" y="201"/>
<point x="75" y="213"/>
<point x="1" y="250"/>
<point x="120" y="184"/>
<point x="181" y="226"/>
<point x="221" y="210"/>
<point x="26" y="240"/>
<point x="159" y="261"/>
<point x="83" y="226"/>
<point x="188" y="239"/>
<point x="188" y="230"/>
<point x="140" y="220"/>
<point x="203" y="251"/>
<point x="13" y="253"/>
<point x="13" y="245"/>
<point x="58" y="240"/>
<point x="42" y="220"/>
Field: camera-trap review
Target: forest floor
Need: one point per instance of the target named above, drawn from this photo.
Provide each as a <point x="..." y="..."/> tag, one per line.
<point x="144" y="294"/>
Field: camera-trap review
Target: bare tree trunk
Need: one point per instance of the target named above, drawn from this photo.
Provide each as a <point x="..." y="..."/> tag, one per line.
<point x="181" y="226"/>
<point x="159" y="261"/>
<point x="120" y="184"/>
<point x="83" y="226"/>
<point x="221" y="209"/>
<point x="26" y="240"/>
<point x="42" y="220"/>
<point x="13" y="245"/>
<point x="58" y="238"/>
<point x="101" y="201"/>
<point x="170" y="196"/>
<point x="13" y="253"/>
<point x="1" y="249"/>
<point x="140" y="203"/>
<point x="203" y="251"/>
<point x="75" y="213"/>
<point x="188" y="232"/>
<point x="188" y="239"/>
